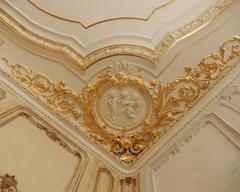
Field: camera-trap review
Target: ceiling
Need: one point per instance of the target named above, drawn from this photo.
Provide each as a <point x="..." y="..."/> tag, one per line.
<point x="129" y="68"/>
<point x="148" y="34"/>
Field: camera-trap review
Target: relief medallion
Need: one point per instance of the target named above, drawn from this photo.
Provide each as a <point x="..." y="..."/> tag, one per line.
<point x="123" y="108"/>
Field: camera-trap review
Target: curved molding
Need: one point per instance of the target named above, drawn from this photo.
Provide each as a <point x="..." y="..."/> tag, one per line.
<point x="101" y="172"/>
<point x="105" y="20"/>
<point x="152" y="55"/>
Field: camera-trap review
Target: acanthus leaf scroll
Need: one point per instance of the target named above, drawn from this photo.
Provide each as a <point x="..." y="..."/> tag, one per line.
<point x="164" y="104"/>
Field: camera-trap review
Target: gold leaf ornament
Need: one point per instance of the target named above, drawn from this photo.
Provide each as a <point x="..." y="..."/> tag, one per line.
<point x="158" y="106"/>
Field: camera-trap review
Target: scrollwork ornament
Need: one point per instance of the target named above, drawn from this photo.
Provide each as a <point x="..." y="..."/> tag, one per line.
<point x="124" y="113"/>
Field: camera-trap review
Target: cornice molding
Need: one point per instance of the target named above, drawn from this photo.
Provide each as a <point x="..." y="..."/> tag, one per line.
<point x="134" y="50"/>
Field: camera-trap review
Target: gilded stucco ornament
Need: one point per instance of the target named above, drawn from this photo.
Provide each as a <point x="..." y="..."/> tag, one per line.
<point x="8" y="183"/>
<point x="120" y="110"/>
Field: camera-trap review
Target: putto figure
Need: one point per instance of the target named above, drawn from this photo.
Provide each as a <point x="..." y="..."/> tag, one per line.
<point x="123" y="105"/>
<point x="113" y="104"/>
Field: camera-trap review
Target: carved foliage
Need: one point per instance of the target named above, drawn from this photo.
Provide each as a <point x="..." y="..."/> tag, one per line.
<point x="8" y="183"/>
<point x="167" y="103"/>
<point x="129" y="183"/>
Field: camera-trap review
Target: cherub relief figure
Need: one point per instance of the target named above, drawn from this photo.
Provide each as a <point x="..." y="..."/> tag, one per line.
<point x="113" y="104"/>
<point x="123" y="105"/>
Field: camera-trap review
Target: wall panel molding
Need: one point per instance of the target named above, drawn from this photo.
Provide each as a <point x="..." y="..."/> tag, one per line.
<point x="104" y="180"/>
<point x="211" y="121"/>
<point x="20" y="111"/>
